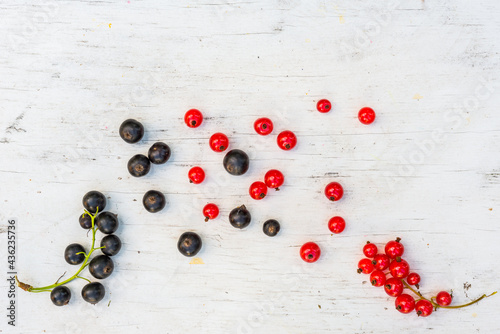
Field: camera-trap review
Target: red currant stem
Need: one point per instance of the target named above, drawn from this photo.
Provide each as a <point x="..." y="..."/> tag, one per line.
<point x="85" y="263"/>
<point x="206" y="219"/>
<point x="419" y="294"/>
<point x="436" y="305"/>
<point x="464" y="305"/>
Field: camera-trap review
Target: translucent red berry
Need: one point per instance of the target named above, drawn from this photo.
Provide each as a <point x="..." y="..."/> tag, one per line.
<point x="263" y="126"/>
<point x="399" y="268"/>
<point x="218" y="142"/>
<point x="274" y="179"/>
<point x="258" y="190"/>
<point x="394" y="248"/>
<point x="377" y="278"/>
<point x="310" y="252"/>
<point x="393" y="287"/>
<point x="334" y="191"/>
<point x="443" y="298"/>
<point x="366" y="115"/>
<point x="336" y="224"/>
<point x="287" y="140"/>
<point x="381" y="262"/>
<point x="365" y="266"/>
<point x="210" y="211"/>
<point x="424" y="308"/>
<point x="413" y="279"/>
<point x="323" y="106"/>
<point x="193" y="118"/>
<point x="370" y="250"/>
<point x="405" y="303"/>
<point x="196" y="175"/>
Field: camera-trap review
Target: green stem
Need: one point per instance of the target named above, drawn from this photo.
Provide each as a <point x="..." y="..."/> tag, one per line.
<point x="418" y="293"/>
<point x="436" y="305"/>
<point x="85" y="263"/>
<point x="464" y="305"/>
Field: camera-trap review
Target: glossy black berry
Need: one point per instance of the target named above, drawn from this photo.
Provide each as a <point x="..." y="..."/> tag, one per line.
<point x="107" y="222"/>
<point x="131" y="131"/>
<point x="85" y="221"/>
<point x="138" y="165"/>
<point x="159" y="153"/>
<point x="71" y="254"/>
<point x="240" y="217"/>
<point x="271" y="227"/>
<point x="93" y="292"/>
<point x="112" y="245"/>
<point x="189" y="244"/>
<point x="60" y="295"/>
<point x="236" y="162"/>
<point x="93" y="200"/>
<point x="101" y="266"/>
<point x="154" y="201"/>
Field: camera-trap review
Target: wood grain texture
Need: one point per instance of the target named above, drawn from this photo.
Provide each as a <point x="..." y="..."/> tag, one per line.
<point x="427" y="170"/>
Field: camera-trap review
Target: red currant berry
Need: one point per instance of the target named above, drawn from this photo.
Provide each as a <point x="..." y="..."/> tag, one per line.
<point x="365" y="266"/>
<point x="370" y="250"/>
<point x="336" y="224"/>
<point x="399" y="268"/>
<point x="193" y="118"/>
<point x="393" y="287"/>
<point x="263" y="126"/>
<point x="393" y="249"/>
<point x="381" y="262"/>
<point x="413" y="279"/>
<point x="334" y="191"/>
<point x="287" y="140"/>
<point x="443" y="298"/>
<point x="258" y="190"/>
<point x="310" y="252"/>
<point x="274" y="179"/>
<point x="323" y="106"/>
<point x="219" y="142"/>
<point x="366" y="115"/>
<point x="196" y="175"/>
<point x="405" y="303"/>
<point x="210" y="211"/>
<point x="377" y="278"/>
<point x="424" y="308"/>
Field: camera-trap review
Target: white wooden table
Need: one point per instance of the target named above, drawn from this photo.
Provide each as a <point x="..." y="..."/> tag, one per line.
<point x="427" y="170"/>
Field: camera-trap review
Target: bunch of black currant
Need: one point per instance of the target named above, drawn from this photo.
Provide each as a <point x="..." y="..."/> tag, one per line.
<point x="100" y="266"/>
<point x="139" y="165"/>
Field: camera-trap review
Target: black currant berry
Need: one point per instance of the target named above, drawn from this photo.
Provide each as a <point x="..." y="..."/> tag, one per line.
<point x="71" y="256"/>
<point x="85" y="221"/>
<point x="112" y="245"/>
<point x="154" y="201"/>
<point x="93" y="200"/>
<point x="189" y="244"/>
<point x="240" y="217"/>
<point x="236" y="162"/>
<point x="138" y="165"/>
<point x="93" y="292"/>
<point x="101" y="266"/>
<point x="131" y="131"/>
<point x="159" y="153"/>
<point x="60" y="295"/>
<point x="107" y="222"/>
<point x="271" y="227"/>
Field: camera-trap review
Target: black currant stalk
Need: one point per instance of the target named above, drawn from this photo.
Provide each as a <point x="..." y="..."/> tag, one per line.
<point x="436" y="305"/>
<point x="85" y="263"/>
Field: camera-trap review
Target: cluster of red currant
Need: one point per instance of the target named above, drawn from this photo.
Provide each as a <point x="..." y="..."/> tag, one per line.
<point x="379" y="265"/>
